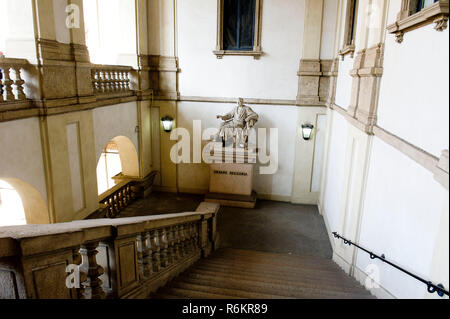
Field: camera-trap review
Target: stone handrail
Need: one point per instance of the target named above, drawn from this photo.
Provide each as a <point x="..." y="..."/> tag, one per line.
<point x="103" y="258"/>
<point x="11" y="82"/>
<point x="111" y="79"/>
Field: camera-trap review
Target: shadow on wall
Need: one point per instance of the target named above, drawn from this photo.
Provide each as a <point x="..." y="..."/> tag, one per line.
<point x="34" y="206"/>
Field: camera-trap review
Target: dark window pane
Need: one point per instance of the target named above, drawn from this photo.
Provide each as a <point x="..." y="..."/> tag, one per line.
<point x="247" y="15"/>
<point x="230" y="24"/>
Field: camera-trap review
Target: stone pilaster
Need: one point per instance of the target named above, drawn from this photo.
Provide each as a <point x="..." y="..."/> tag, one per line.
<point x="366" y="73"/>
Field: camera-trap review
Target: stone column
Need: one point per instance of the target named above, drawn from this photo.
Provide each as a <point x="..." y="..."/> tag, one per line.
<point x="310" y="70"/>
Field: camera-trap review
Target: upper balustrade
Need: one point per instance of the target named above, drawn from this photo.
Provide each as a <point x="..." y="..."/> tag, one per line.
<point x="110" y="80"/>
<point x="11" y="81"/>
<point x="103" y="258"/>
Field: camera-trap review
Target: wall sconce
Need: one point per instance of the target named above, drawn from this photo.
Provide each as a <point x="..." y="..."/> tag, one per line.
<point x="167" y="123"/>
<point x="307" y="130"/>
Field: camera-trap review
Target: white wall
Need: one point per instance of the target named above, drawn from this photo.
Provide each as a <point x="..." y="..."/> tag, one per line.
<point x="401" y="207"/>
<point x="273" y="76"/>
<point x="112" y="121"/>
<point x="334" y="170"/>
<point x="21" y="155"/>
<point x="401" y="218"/>
<point x="414" y="94"/>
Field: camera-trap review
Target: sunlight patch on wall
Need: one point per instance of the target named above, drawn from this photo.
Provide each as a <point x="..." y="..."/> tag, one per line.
<point x="11" y="207"/>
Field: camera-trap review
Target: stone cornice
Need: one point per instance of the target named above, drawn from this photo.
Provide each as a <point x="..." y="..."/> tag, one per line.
<point x="436" y="13"/>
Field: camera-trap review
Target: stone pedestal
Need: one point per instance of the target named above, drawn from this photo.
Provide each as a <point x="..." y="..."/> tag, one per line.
<point x="231" y="177"/>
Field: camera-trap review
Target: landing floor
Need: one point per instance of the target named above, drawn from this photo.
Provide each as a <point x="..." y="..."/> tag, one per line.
<point x="272" y="226"/>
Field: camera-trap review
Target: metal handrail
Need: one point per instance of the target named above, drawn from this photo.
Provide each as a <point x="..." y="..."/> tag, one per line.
<point x="431" y="288"/>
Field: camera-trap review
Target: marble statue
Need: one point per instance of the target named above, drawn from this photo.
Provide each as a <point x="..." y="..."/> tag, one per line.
<point x="237" y="124"/>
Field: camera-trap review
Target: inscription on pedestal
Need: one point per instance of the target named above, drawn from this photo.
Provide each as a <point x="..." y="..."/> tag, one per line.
<point x="233" y="179"/>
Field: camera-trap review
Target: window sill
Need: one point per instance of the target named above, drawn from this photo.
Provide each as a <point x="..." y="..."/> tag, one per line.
<point x="256" y="54"/>
<point x="347" y="50"/>
<point x="436" y="13"/>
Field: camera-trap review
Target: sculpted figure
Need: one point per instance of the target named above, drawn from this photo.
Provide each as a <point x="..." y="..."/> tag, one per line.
<point x="237" y="124"/>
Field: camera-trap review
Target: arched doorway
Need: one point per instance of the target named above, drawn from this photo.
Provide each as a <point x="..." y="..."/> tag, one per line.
<point x="119" y="157"/>
<point x="21" y="203"/>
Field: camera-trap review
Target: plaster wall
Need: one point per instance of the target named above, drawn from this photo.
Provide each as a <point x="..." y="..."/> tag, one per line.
<point x="414" y="95"/>
<point x="112" y="121"/>
<point x="273" y="76"/>
<point x="21" y="153"/>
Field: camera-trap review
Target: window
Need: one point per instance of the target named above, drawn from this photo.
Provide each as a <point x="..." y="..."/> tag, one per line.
<point x="417" y="13"/>
<point x="419" y="5"/>
<point x="108" y="166"/>
<point x="238" y="28"/>
<point x="350" y="28"/>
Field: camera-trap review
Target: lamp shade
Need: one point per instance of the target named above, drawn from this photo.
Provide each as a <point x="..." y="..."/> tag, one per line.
<point x="307" y="130"/>
<point x="167" y="123"/>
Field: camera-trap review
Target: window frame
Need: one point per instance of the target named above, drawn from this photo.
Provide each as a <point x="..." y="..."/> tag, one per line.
<point x="351" y="24"/>
<point x="407" y="21"/>
<point x="256" y="52"/>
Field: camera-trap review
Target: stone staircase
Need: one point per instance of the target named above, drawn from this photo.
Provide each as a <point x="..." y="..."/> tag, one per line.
<point x="234" y="274"/>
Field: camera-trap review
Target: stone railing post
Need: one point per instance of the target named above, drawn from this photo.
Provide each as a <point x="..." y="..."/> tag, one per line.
<point x="92" y="287"/>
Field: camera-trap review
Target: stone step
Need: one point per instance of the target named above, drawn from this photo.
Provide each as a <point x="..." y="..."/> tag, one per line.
<point x="274" y="284"/>
<point x="205" y="287"/>
<point x="281" y="272"/>
<point x="233" y="273"/>
<point x="303" y="282"/>
<point x="193" y="294"/>
<point x="272" y="289"/>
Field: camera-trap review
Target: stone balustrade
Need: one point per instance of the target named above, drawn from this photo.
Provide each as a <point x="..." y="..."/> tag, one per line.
<point x="116" y="199"/>
<point x="11" y="81"/>
<point x="111" y="79"/>
<point x="103" y="258"/>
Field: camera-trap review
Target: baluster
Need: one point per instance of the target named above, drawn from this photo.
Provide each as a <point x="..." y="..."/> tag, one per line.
<point x="164" y="248"/>
<point x="156" y="250"/>
<point x="148" y="250"/>
<point x="1" y="85"/>
<point x="96" y="81"/>
<point x="19" y="82"/>
<point x="194" y="237"/>
<point x="129" y="193"/>
<point x="105" y="81"/>
<point x="92" y="287"/>
<point x="127" y="81"/>
<point x="140" y="256"/>
<point x="101" y="81"/>
<point x="7" y="84"/>
<point x="182" y="239"/>
<point x="187" y="230"/>
<point x="176" y="239"/>
<point x="171" y="250"/>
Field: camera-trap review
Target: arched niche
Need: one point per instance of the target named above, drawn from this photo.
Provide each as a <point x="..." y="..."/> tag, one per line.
<point x="34" y="206"/>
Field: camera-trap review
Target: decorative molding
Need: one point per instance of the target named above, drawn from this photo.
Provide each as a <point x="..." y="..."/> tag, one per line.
<point x="314" y="81"/>
<point x="246" y="100"/>
<point x="347" y="50"/>
<point x="256" y="52"/>
<point x="436" y="13"/>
